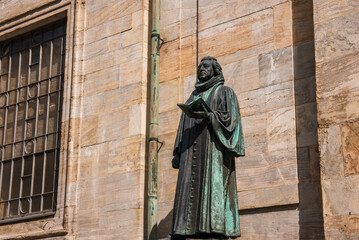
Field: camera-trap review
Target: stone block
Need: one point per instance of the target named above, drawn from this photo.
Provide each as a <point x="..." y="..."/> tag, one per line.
<point x="96" y="48"/>
<point x="169" y="95"/>
<point x="124" y="97"/>
<point x="342" y="227"/>
<point x="303" y="26"/>
<point x="170" y="12"/>
<point x="170" y="32"/>
<point x="131" y="72"/>
<point x="165" y="155"/>
<point x="304" y="60"/>
<point x="269" y="196"/>
<point x="242" y="75"/>
<point x="337" y="37"/>
<point x="137" y="124"/>
<point x="314" y="166"/>
<point x="269" y="225"/>
<point x="93" y="105"/>
<point x="340" y="196"/>
<point x="281" y="129"/>
<point x="213" y="13"/>
<point x="310" y="196"/>
<point x="326" y="10"/>
<point x="254" y="178"/>
<point x="283" y="25"/>
<point x="15" y="8"/>
<point x="167" y="188"/>
<point x="337" y="95"/>
<point x="99" y="62"/>
<point x="113" y="125"/>
<point x="331" y="155"/>
<point x="169" y="121"/>
<point x="266" y="99"/>
<point x="126" y="155"/>
<point x="110" y="11"/>
<point x="275" y="67"/>
<point x="169" y="61"/>
<point x="188" y="86"/>
<point x="101" y="81"/>
<point x="306" y="124"/>
<point x="305" y="90"/>
<point x="89" y="133"/>
<point x="239" y="34"/>
<point x="350" y="146"/>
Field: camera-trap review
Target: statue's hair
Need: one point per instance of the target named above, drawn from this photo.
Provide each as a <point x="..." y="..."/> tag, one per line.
<point x="216" y="67"/>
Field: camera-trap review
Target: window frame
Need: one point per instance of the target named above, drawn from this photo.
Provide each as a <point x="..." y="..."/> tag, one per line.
<point x="35" y="154"/>
<point x="58" y="223"/>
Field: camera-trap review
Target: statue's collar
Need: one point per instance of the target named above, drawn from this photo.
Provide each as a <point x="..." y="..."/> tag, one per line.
<point x="203" y="86"/>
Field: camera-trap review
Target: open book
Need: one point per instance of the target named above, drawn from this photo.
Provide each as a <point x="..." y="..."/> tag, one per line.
<point x="196" y="105"/>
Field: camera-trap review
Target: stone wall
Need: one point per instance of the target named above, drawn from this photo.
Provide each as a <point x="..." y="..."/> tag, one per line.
<point x="267" y="54"/>
<point x="101" y="179"/>
<point x="336" y="25"/>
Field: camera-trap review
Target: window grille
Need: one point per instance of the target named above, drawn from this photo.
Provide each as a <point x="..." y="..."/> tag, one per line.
<point x="31" y="83"/>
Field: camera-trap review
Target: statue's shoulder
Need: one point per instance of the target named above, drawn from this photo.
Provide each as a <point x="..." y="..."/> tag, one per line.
<point x="222" y="89"/>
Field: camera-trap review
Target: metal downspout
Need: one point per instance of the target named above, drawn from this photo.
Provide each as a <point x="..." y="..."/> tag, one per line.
<point x="153" y="122"/>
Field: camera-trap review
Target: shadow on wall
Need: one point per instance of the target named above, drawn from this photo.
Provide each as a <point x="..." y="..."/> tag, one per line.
<point x="164" y="227"/>
<point x="308" y="160"/>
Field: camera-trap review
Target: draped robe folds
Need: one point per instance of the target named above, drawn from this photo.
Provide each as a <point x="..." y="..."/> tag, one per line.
<point x="206" y="194"/>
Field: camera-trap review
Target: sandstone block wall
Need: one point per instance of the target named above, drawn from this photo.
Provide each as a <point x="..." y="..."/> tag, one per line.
<point x="291" y="72"/>
<point x="336" y="26"/>
<point x="101" y="182"/>
<point x="266" y="49"/>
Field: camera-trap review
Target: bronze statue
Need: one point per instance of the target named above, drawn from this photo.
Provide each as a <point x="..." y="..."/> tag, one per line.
<point x="209" y="137"/>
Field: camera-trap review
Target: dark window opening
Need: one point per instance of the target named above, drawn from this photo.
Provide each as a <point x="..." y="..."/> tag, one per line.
<point x="31" y="85"/>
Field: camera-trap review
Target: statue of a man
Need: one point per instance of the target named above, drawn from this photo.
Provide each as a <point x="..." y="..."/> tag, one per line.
<point x="209" y="138"/>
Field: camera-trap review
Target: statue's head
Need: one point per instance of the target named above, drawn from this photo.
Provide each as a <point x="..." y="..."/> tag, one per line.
<point x="208" y="68"/>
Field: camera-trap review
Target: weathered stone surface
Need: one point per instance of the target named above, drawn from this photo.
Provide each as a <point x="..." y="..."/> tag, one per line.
<point x="242" y="33"/>
<point x="283" y="25"/>
<point x="281" y="129"/>
<point x="338" y="102"/>
<point x="327" y="10"/>
<point x="337" y="38"/>
<point x="275" y="67"/>
<point x="306" y="124"/>
<point x="340" y="196"/>
<point x="330" y="145"/>
<point x="170" y="100"/>
<point x="269" y="196"/>
<point x="304" y="64"/>
<point x="305" y="90"/>
<point x="212" y="13"/>
<point x="303" y="26"/>
<point x="342" y="227"/>
<point x="266" y="99"/>
<point x="350" y="143"/>
<point x="12" y="8"/>
<point x="242" y="75"/>
<point x="270" y="225"/>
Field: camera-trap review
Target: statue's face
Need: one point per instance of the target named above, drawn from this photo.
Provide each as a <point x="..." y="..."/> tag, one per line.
<point x="205" y="70"/>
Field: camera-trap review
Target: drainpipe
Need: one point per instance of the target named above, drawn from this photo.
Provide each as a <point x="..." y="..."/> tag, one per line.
<point x="153" y="123"/>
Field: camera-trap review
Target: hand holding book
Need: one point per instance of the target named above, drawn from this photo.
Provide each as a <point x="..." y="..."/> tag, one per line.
<point x="196" y="109"/>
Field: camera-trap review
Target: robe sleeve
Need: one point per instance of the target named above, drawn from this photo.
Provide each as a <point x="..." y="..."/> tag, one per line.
<point x="226" y="120"/>
<point x="178" y="141"/>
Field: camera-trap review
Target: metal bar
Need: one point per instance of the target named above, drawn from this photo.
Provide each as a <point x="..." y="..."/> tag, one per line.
<point x="26" y="217"/>
<point x="153" y="122"/>
<point x="7" y="109"/>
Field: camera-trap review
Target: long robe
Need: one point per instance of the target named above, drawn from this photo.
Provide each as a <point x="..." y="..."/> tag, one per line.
<point x="206" y="195"/>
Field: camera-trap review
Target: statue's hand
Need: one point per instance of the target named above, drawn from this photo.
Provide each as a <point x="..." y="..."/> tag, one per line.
<point x="203" y="114"/>
<point x="175" y="162"/>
